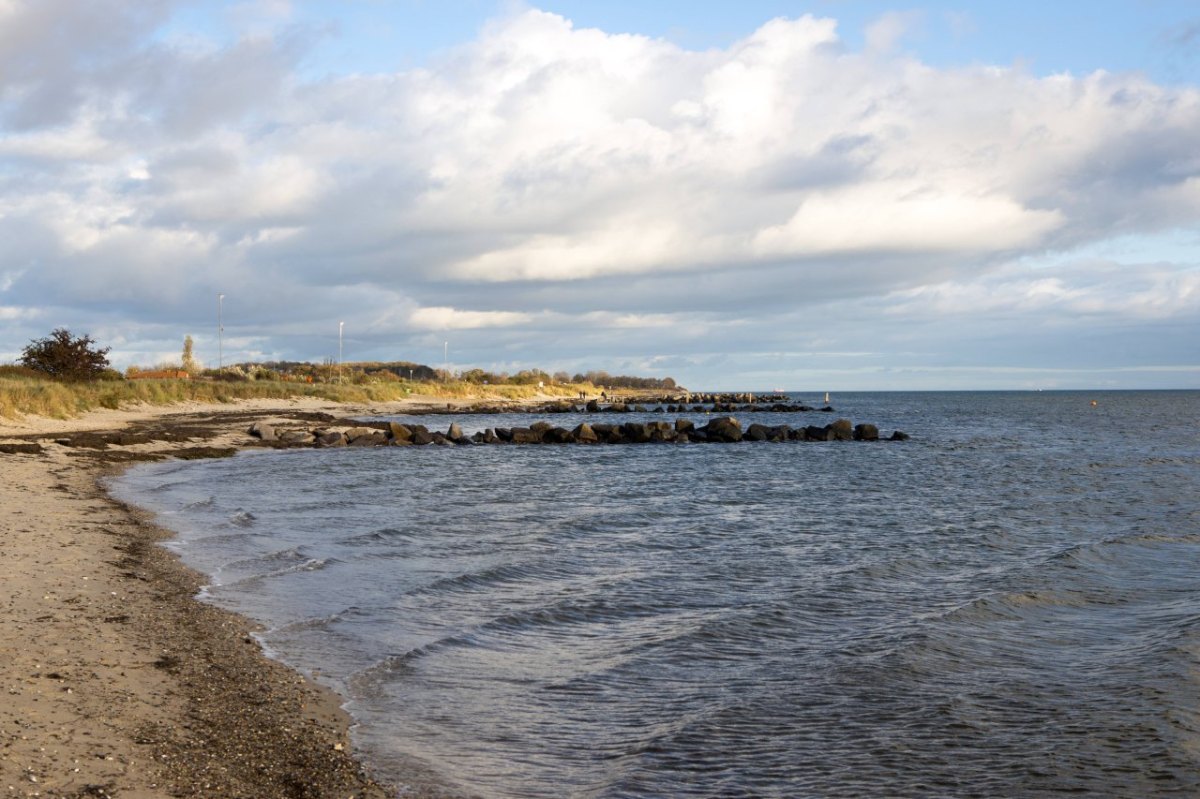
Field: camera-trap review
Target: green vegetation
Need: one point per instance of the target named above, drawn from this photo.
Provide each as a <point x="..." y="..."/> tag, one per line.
<point x="63" y="377"/>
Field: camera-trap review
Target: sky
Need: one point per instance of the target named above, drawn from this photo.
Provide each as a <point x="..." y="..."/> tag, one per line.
<point x="829" y="195"/>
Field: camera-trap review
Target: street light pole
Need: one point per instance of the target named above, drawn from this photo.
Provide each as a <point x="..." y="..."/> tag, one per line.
<point x="220" y="335"/>
<point x="340" y="326"/>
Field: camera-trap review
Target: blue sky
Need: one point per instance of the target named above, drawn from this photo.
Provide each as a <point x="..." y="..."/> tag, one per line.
<point x="1156" y="37"/>
<point x="834" y="194"/>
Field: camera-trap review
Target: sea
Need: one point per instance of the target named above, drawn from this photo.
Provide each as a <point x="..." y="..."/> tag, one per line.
<point x="1006" y="604"/>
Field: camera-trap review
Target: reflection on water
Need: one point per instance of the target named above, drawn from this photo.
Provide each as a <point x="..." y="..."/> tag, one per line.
<point x="1008" y="604"/>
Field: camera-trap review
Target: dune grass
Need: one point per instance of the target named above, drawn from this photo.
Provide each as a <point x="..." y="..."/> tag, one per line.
<point x="22" y="395"/>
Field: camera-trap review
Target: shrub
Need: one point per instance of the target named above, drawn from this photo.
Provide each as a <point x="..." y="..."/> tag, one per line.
<point x="66" y="357"/>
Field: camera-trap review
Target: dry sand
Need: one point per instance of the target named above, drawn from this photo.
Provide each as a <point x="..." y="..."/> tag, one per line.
<point x="115" y="680"/>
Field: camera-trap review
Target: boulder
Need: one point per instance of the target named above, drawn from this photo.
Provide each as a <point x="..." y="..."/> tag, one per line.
<point x="684" y="425"/>
<point x="842" y="430"/>
<point x="757" y="432"/>
<point x="455" y="432"/>
<point x="814" y="433"/>
<point x="866" y="432"/>
<point x="558" y="435"/>
<point x="330" y="438"/>
<point x="661" y="431"/>
<point x="584" y="434"/>
<point x="296" y="437"/>
<point x="525" y="435"/>
<point x="374" y="438"/>
<point x="635" y="432"/>
<point x="606" y="433"/>
<point x="724" y="428"/>
<point x="399" y="432"/>
<point x="503" y="434"/>
<point x="359" y="432"/>
<point x="593" y="406"/>
<point x="899" y="435"/>
<point x="421" y="437"/>
<point x="263" y="431"/>
<point x="780" y="432"/>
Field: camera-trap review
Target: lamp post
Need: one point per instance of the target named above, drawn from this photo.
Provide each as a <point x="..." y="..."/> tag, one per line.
<point x="220" y="335"/>
<point x="340" y="326"/>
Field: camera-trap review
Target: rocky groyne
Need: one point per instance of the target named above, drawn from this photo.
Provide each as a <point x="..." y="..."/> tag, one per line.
<point x="721" y="430"/>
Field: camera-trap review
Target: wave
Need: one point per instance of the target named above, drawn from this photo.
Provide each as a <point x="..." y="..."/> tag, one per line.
<point x="384" y="535"/>
<point x="242" y="518"/>
<point x="307" y="565"/>
<point x="493" y="577"/>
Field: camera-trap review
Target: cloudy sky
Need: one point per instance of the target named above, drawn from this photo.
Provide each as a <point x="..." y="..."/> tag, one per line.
<point x="825" y="195"/>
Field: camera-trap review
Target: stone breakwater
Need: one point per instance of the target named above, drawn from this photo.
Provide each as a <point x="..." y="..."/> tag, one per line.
<point x="722" y="430"/>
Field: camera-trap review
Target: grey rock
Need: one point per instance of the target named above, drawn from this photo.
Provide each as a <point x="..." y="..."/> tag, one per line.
<point x="724" y="428"/>
<point x="262" y="430"/>
<point x="866" y="432"/>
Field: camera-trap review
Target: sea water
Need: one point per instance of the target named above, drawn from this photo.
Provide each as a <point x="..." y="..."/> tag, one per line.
<point x="1008" y="604"/>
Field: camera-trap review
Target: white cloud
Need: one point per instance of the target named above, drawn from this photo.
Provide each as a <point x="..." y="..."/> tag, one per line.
<point x="546" y="176"/>
<point x="455" y="319"/>
<point x="906" y="218"/>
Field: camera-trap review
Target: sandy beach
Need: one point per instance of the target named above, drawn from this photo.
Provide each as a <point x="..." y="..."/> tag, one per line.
<point x="116" y="681"/>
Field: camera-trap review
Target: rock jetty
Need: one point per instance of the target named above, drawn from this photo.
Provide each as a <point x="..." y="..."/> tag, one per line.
<point x="720" y="430"/>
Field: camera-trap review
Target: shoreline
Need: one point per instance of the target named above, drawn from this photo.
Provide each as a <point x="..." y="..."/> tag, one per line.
<point x="121" y="682"/>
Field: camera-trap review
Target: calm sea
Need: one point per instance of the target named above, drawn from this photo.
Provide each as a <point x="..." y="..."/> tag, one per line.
<point x="1006" y="605"/>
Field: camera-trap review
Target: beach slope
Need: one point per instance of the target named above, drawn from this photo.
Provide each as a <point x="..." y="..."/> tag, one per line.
<point x="115" y="680"/>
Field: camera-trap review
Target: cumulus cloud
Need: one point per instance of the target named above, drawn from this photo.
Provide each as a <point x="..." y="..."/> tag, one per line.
<point x="455" y="319"/>
<point x="543" y="177"/>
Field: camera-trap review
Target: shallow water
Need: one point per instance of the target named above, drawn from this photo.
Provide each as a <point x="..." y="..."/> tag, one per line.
<point x="1008" y="604"/>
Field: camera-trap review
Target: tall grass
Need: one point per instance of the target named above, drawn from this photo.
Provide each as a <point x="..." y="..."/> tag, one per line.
<point x="22" y="395"/>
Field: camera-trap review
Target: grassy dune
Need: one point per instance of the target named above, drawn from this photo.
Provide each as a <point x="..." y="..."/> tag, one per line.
<point x="22" y="395"/>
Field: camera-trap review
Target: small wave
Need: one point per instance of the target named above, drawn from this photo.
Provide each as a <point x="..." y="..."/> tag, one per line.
<point x="292" y="556"/>
<point x="162" y="488"/>
<point x="242" y="518"/>
<point x="317" y="622"/>
<point x="1155" y="538"/>
<point x="479" y="581"/>
<point x="220" y="538"/>
<point x="308" y="565"/>
<point x="201" y="504"/>
<point x="1015" y="605"/>
<point x="382" y="536"/>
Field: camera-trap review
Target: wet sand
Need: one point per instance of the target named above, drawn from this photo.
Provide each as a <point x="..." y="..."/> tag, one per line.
<point x="117" y="682"/>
